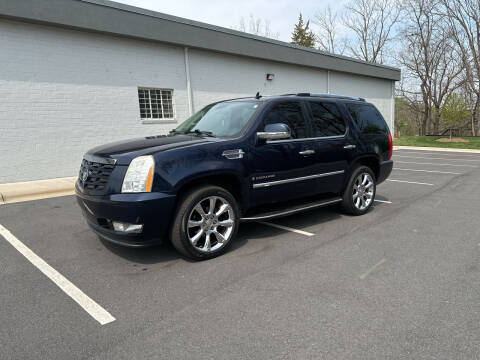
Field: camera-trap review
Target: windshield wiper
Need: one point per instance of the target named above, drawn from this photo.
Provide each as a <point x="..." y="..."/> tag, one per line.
<point x="200" y="132"/>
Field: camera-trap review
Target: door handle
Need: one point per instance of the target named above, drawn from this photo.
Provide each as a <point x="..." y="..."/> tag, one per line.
<point x="348" y="147"/>
<point x="307" y="152"/>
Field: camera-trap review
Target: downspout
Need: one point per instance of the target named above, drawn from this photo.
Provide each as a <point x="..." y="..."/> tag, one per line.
<point x="189" y="85"/>
<point x="392" y="106"/>
<point x="328" y="81"/>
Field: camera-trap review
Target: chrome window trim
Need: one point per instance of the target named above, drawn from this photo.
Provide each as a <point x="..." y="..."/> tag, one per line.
<point x="98" y="159"/>
<point x="308" y="139"/>
<point x="302" y="178"/>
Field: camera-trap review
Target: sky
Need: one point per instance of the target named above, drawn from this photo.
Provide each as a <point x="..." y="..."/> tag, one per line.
<point x="282" y="14"/>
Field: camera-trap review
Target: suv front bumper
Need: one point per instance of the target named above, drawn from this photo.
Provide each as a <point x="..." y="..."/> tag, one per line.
<point x="385" y="170"/>
<point x="153" y="210"/>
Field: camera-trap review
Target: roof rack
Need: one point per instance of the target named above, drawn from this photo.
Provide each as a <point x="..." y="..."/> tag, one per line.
<point x="336" y="96"/>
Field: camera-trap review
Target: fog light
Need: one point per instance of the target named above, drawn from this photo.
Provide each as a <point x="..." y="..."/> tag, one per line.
<point x="126" y="227"/>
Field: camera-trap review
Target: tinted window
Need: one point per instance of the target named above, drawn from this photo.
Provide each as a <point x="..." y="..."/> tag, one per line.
<point x="289" y="113"/>
<point x="326" y="120"/>
<point x="225" y="119"/>
<point x="367" y="118"/>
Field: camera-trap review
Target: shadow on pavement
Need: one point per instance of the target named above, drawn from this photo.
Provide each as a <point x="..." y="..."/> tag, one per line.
<point x="249" y="231"/>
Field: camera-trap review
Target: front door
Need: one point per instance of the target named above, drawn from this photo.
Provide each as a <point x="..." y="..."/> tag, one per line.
<point x="284" y="169"/>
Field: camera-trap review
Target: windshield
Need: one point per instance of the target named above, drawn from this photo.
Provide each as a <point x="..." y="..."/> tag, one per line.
<point x="226" y="119"/>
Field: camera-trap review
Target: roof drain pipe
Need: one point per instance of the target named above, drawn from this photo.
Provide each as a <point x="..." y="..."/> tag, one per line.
<point x="189" y="85"/>
<point x="328" y="81"/>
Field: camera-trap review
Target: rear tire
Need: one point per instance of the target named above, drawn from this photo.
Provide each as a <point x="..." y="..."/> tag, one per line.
<point x="205" y="222"/>
<point x="360" y="191"/>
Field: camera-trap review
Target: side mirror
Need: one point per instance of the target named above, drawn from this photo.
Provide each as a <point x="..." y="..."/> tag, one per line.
<point x="275" y="132"/>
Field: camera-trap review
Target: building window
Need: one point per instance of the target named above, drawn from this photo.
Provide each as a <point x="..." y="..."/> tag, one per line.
<point x="156" y="104"/>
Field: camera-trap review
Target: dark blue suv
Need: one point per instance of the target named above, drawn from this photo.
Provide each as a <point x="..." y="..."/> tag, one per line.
<point x="236" y="160"/>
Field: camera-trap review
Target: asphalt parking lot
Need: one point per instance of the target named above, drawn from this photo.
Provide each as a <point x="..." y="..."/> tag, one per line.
<point x="402" y="282"/>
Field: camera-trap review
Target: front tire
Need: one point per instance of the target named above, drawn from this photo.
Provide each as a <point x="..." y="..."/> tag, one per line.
<point x="360" y="192"/>
<point x="205" y="223"/>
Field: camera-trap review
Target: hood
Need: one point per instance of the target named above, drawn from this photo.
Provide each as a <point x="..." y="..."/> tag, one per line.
<point x="125" y="151"/>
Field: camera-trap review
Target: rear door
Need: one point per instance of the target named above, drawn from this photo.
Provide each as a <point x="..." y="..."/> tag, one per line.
<point x="334" y="146"/>
<point x="282" y="169"/>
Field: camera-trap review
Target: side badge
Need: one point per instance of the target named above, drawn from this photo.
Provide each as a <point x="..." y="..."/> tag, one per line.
<point x="233" y="154"/>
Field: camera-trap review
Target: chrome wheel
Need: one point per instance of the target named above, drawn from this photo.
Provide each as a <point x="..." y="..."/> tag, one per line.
<point x="363" y="191"/>
<point x="210" y="224"/>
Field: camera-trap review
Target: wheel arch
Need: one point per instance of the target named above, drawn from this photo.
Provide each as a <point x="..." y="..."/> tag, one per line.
<point x="370" y="160"/>
<point x="227" y="180"/>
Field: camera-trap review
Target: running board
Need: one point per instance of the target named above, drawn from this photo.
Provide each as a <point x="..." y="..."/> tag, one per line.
<point x="292" y="210"/>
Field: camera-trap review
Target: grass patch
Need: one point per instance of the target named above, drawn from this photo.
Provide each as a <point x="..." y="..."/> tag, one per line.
<point x="472" y="142"/>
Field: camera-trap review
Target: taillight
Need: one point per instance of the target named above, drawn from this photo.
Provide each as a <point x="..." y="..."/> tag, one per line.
<point x="390" y="146"/>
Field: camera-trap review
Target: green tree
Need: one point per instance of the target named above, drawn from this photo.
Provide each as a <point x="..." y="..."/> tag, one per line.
<point x="302" y="35"/>
<point x="454" y="111"/>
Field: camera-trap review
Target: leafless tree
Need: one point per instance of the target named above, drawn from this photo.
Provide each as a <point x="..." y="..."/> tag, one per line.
<point x="430" y="61"/>
<point x="371" y="23"/>
<point x="466" y="93"/>
<point x="464" y="20"/>
<point x="257" y="26"/>
<point x="328" y="33"/>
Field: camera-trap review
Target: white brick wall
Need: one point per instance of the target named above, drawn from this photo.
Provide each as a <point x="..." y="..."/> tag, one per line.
<point x="63" y="92"/>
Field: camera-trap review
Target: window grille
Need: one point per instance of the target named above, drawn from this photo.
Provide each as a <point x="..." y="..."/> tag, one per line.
<point x="156" y="103"/>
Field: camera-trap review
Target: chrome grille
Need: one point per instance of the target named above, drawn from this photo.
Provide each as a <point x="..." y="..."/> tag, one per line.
<point x="93" y="176"/>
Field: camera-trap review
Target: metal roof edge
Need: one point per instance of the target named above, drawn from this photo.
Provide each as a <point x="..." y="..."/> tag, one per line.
<point x="124" y="20"/>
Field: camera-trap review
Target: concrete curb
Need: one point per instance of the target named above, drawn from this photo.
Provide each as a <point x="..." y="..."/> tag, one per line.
<point x="34" y="190"/>
<point x="435" y="149"/>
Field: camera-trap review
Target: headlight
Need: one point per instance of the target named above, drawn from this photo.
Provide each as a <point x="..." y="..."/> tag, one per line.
<point x="139" y="176"/>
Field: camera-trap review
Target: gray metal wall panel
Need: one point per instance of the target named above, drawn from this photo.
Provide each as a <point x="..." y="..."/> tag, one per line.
<point x="108" y="17"/>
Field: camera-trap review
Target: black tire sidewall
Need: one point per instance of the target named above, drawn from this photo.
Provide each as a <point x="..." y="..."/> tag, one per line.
<point x="347" y="202"/>
<point x="185" y="208"/>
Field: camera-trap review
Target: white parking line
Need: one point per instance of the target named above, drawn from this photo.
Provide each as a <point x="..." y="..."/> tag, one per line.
<point x="410" y="162"/>
<point x="435" y="158"/>
<point x="369" y="271"/>
<point x="306" y="233"/>
<point x="439" y="153"/>
<point x="410" y="182"/>
<point x="90" y="306"/>
<point x="383" y="201"/>
<point x="429" y="171"/>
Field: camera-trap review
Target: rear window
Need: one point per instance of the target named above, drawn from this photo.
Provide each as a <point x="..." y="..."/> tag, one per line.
<point x="327" y="120"/>
<point x="368" y="118"/>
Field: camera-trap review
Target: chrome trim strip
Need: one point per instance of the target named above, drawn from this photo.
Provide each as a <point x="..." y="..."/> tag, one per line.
<point x="233" y="154"/>
<point x="293" y="211"/>
<point x="286" y="181"/>
<point x="306" y="139"/>
<point x="347" y="130"/>
<point x="88" y="209"/>
<point x="98" y="159"/>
